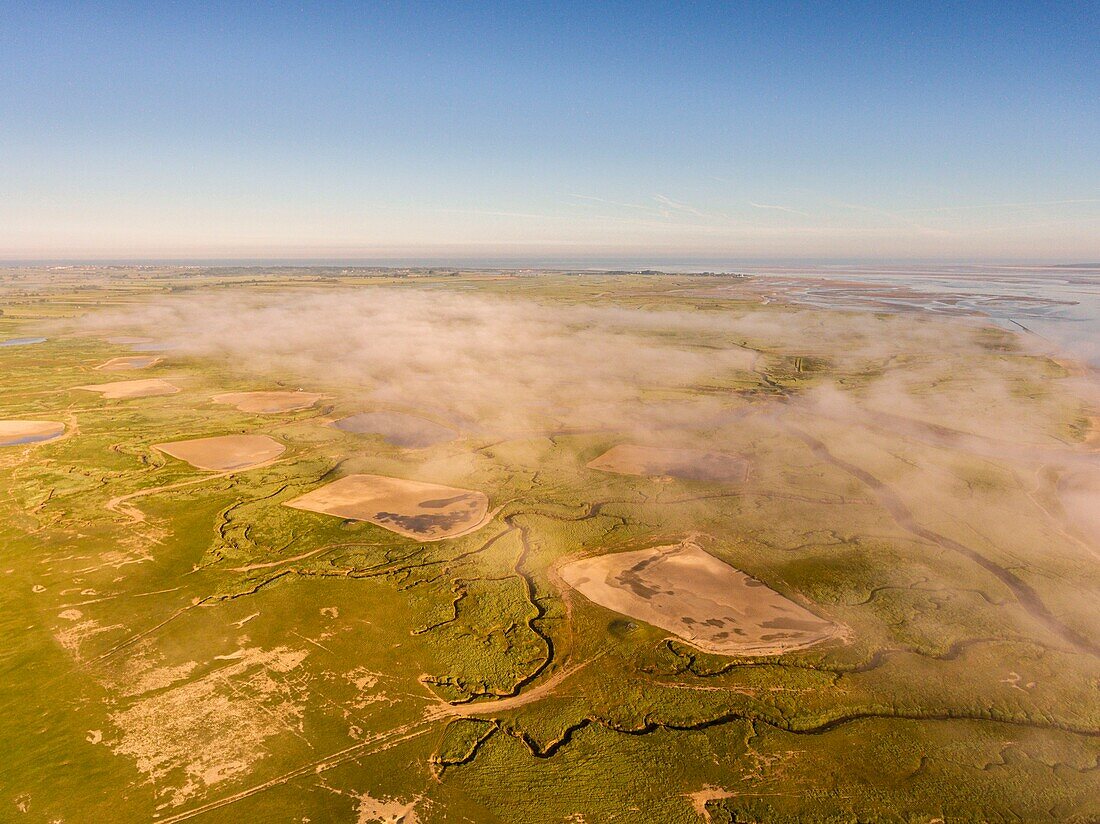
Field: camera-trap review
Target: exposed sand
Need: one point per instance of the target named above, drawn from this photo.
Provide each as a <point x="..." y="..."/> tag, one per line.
<point x="700" y="798"/>
<point x="269" y="403"/>
<point x="193" y="734"/>
<point x="13" y="433"/>
<point x="697" y="597"/>
<point x="132" y="389"/>
<point x="129" y="362"/>
<point x="657" y="462"/>
<point x="225" y="452"/>
<point x="400" y="429"/>
<point x="427" y="512"/>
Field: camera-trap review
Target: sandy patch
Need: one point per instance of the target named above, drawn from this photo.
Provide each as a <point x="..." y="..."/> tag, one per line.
<point x="190" y="737"/>
<point x="129" y="362"/>
<point x="121" y="390"/>
<point x="400" y="429"/>
<point x="386" y="810"/>
<point x="697" y="597"/>
<point x="13" y="433"/>
<point x="659" y="462"/>
<point x="700" y="798"/>
<point x="428" y="512"/>
<point x="225" y="452"/>
<point x="73" y="637"/>
<point x="269" y="403"/>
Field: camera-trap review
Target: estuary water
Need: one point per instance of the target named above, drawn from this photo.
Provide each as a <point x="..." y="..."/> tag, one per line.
<point x="1059" y="304"/>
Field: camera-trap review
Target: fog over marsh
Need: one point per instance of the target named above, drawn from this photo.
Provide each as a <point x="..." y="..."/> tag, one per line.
<point x="490" y="363"/>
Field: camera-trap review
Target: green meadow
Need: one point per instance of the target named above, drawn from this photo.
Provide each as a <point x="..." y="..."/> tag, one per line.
<point x="179" y="645"/>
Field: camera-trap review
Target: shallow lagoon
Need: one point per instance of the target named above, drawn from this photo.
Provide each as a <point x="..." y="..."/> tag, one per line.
<point x="17" y="433"/>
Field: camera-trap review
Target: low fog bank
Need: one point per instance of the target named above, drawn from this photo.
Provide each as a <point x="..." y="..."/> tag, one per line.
<point x="501" y="365"/>
<point x="484" y="363"/>
<point x="509" y="364"/>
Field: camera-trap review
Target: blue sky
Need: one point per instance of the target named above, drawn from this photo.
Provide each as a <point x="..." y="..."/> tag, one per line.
<point x="660" y="131"/>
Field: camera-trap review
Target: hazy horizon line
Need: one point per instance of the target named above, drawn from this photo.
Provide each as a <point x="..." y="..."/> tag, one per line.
<point x="633" y="262"/>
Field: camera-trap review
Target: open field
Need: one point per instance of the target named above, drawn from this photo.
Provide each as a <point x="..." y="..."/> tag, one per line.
<point x="896" y="507"/>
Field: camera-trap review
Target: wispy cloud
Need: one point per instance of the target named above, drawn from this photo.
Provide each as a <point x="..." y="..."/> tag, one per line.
<point x="778" y="208"/>
<point x="607" y="202"/>
<point x="678" y="206"/>
<point x="1023" y="205"/>
<point x="896" y="217"/>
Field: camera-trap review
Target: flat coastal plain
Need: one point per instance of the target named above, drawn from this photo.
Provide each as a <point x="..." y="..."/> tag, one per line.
<point x="493" y="546"/>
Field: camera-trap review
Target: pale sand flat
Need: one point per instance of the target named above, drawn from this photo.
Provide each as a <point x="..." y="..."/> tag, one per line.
<point x="121" y="390"/>
<point x="14" y="433"/>
<point x="225" y="452"/>
<point x="700" y="599"/>
<point x="427" y="512"/>
<point x="269" y="403"/>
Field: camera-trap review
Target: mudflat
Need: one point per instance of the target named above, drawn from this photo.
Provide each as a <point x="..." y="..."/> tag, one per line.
<point x="399" y="428"/>
<point x="269" y="403"/>
<point x="659" y="462"/>
<point x="428" y="512"/>
<point x="13" y="433"/>
<point x="225" y="452"/>
<point x="129" y="362"/>
<point x="700" y="599"/>
<point x="121" y="390"/>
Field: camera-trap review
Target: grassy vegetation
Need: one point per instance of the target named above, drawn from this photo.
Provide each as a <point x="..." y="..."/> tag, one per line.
<point x="179" y="643"/>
